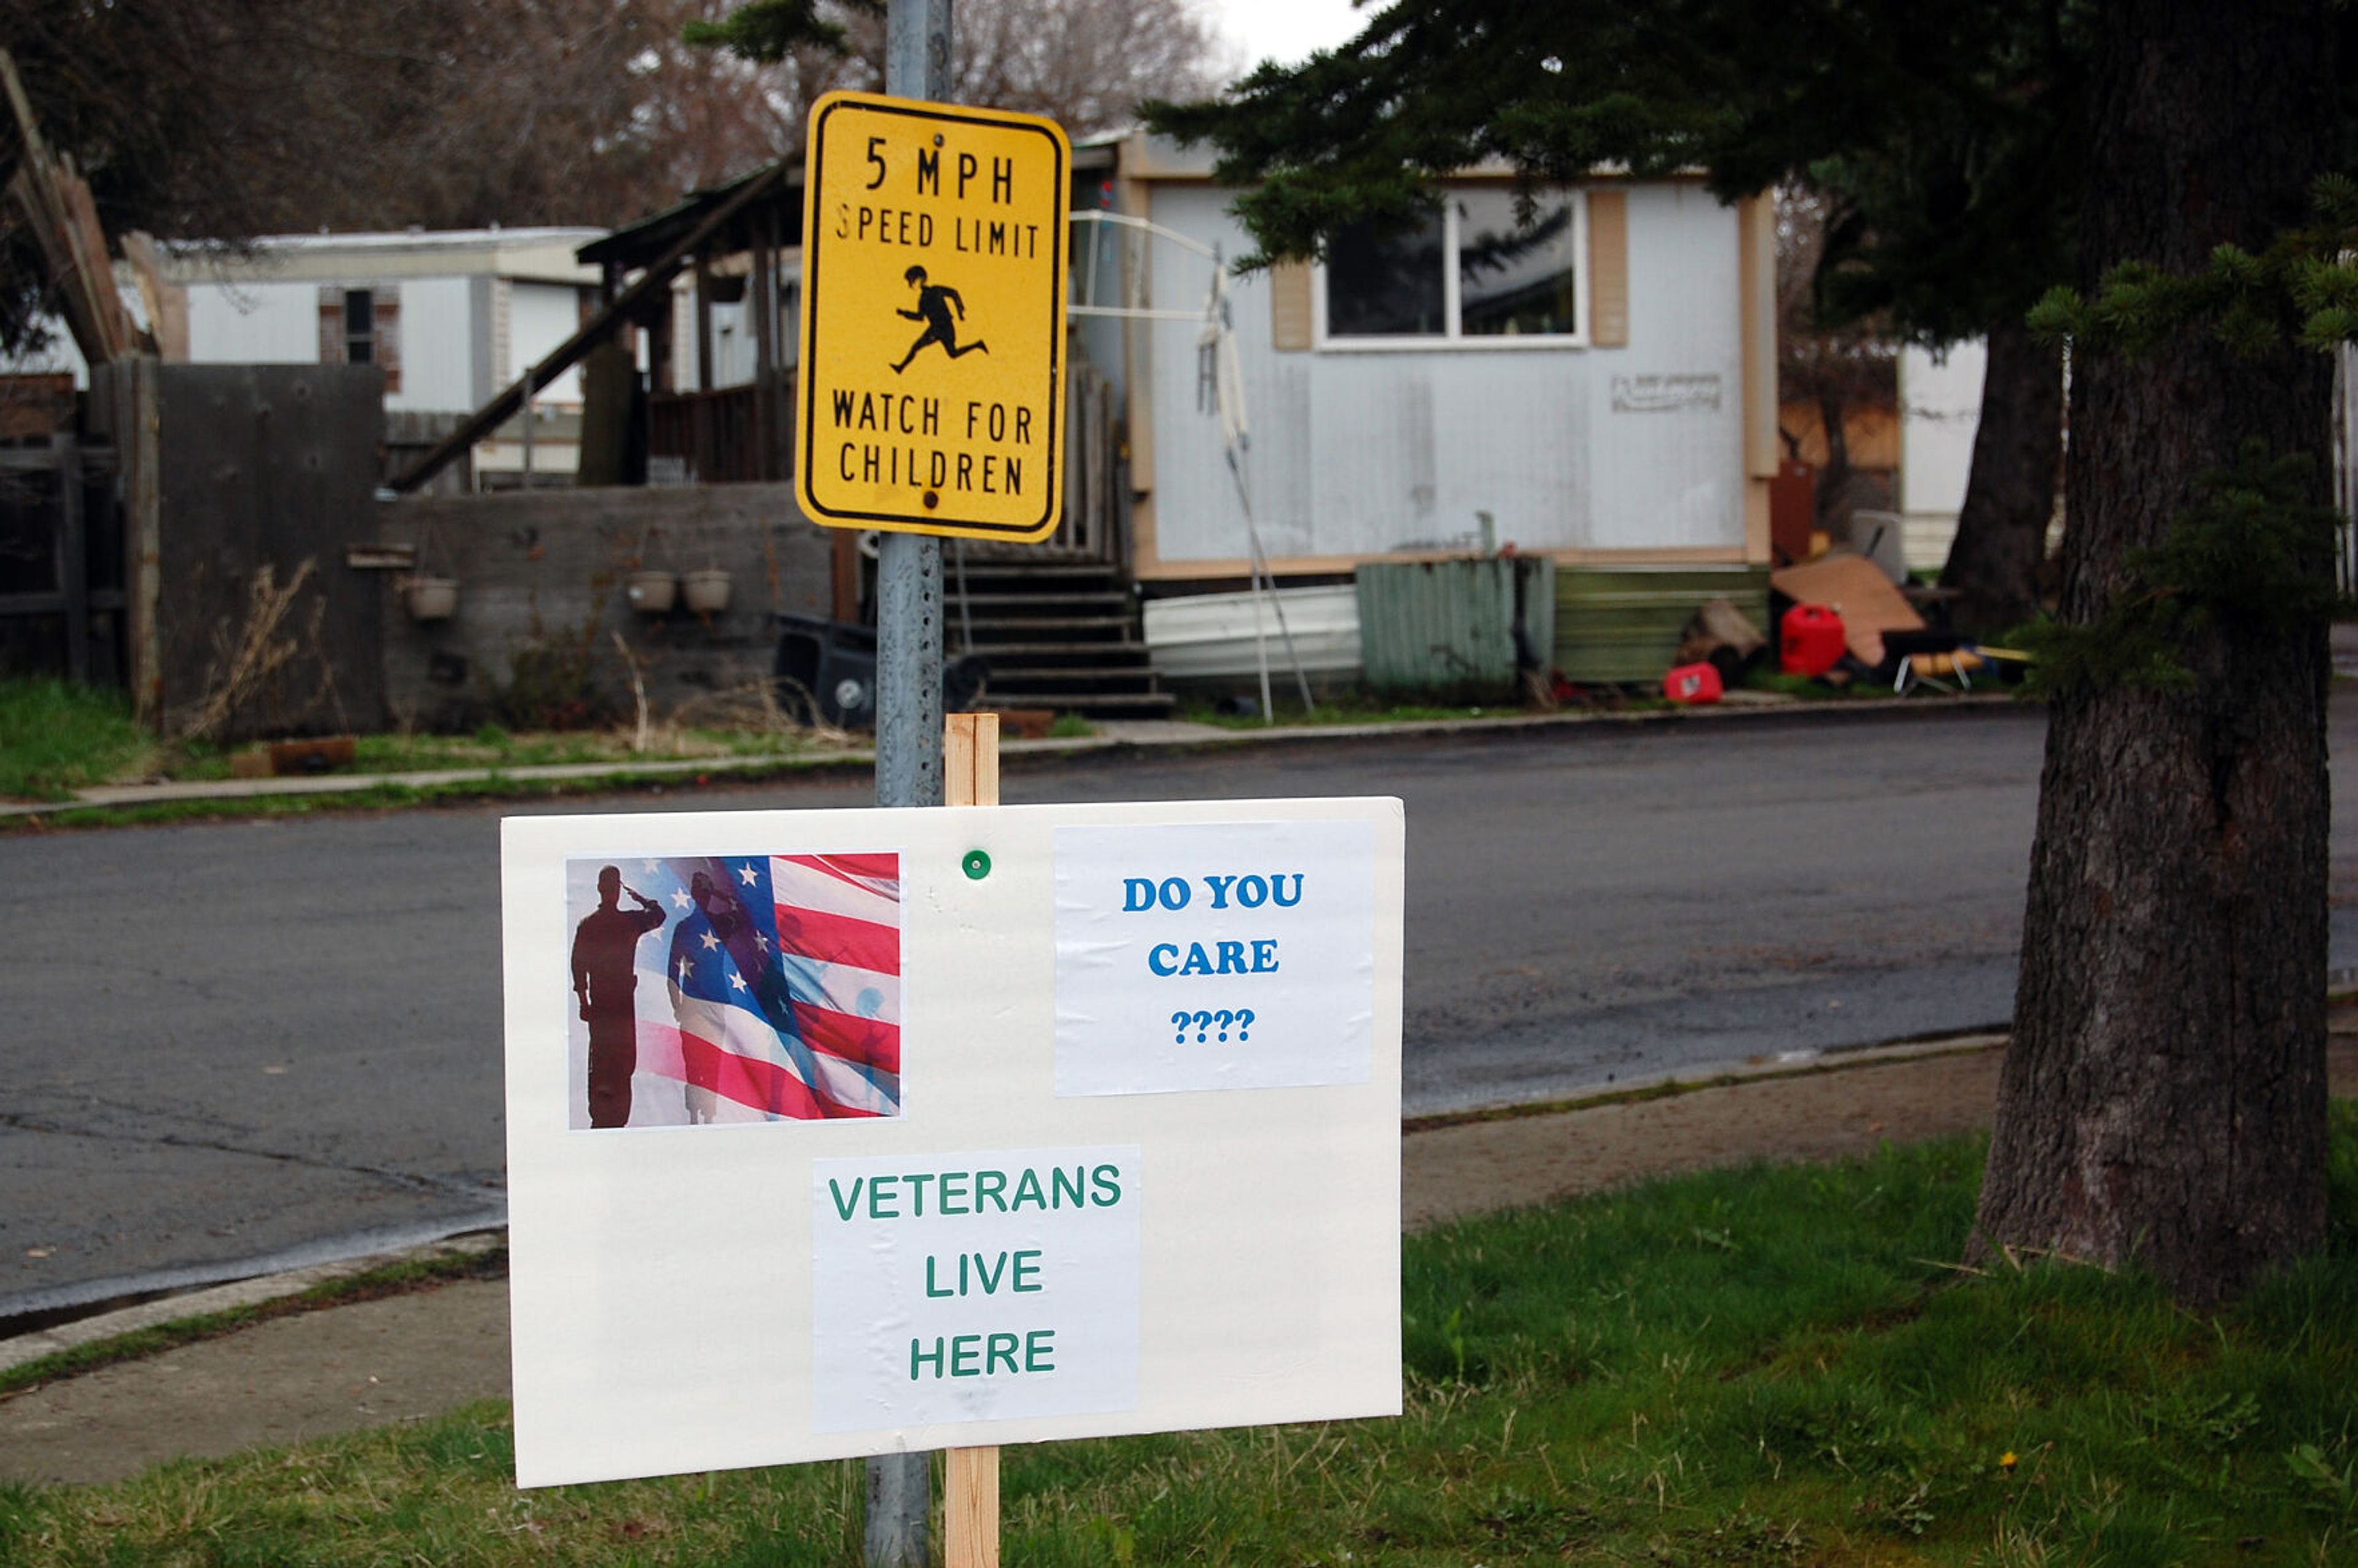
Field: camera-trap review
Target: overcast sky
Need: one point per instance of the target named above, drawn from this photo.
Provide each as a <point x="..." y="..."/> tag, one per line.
<point x="1285" y="31"/>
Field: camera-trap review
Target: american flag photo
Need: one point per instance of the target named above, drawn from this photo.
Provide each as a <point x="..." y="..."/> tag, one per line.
<point x="733" y="988"/>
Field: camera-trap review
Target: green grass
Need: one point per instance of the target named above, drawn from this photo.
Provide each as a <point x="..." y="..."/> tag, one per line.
<point x="496" y="786"/>
<point x="56" y="737"/>
<point x="1765" y="1366"/>
<point x="493" y="747"/>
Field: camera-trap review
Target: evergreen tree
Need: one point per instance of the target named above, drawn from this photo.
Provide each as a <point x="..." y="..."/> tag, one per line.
<point x="2164" y="1100"/>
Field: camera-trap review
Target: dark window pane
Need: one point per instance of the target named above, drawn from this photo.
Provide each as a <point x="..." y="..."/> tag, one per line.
<point x="1514" y="280"/>
<point x="360" y="326"/>
<point x="1386" y="286"/>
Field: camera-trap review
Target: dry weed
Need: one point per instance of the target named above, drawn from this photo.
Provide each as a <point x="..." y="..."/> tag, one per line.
<point x="248" y="658"/>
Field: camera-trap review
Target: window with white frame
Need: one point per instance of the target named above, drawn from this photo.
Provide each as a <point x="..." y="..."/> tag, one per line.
<point x="1471" y="274"/>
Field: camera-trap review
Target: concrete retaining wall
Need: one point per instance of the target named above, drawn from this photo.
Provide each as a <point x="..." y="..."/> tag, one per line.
<point x="541" y="577"/>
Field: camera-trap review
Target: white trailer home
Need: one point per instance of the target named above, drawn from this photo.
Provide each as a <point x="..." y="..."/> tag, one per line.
<point x="450" y="317"/>
<point x="1601" y="382"/>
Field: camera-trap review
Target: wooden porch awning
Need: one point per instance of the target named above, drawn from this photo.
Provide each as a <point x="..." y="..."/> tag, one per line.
<point x="660" y="245"/>
<point x="650" y="240"/>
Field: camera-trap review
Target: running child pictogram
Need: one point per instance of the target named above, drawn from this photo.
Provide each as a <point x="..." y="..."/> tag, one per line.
<point x="935" y="302"/>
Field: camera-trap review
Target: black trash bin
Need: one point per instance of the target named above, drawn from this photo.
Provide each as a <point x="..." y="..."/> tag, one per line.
<point x="827" y="670"/>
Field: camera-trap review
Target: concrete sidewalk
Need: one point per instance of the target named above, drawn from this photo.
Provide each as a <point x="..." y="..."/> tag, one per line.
<point x="1112" y="736"/>
<point x="410" y="1358"/>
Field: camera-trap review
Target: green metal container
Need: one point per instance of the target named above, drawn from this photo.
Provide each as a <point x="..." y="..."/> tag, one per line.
<point x="1622" y="623"/>
<point x="1445" y="630"/>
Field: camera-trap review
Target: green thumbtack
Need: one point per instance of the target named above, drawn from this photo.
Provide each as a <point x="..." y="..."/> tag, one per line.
<point x="977" y="864"/>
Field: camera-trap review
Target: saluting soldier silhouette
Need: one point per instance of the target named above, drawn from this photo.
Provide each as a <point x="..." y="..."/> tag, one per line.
<point x="606" y="980"/>
<point x="934" y="302"/>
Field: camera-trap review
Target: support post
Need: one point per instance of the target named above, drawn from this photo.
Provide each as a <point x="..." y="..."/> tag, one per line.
<point x="761" y="299"/>
<point x="703" y="323"/>
<point x="526" y="416"/>
<point x="971" y="1509"/>
<point x="971" y="1476"/>
<point x="139" y="457"/>
<point x="73" y="557"/>
<point x="909" y="670"/>
<point x="908" y="729"/>
<point x="970" y="758"/>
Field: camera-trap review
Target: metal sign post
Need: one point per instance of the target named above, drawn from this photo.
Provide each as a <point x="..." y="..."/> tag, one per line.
<point x="909" y="623"/>
<point x="929" y="403"/>
<point x="908" y="733"/>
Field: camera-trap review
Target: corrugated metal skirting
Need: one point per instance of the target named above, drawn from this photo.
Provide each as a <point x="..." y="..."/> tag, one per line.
<point x="1446" y="629"/>
<point x="1616" y="624"/>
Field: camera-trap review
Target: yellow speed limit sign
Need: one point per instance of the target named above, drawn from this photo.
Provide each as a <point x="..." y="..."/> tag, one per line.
<point x="931" y="396"/>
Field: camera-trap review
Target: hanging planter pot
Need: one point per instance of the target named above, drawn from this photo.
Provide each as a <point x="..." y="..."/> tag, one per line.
<point x="707" y="592"/>
<point x="430" y="598"/>
<point x="651" y="594"/>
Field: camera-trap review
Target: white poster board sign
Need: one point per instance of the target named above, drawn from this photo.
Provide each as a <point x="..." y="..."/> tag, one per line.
<point x="840" y="1133"/>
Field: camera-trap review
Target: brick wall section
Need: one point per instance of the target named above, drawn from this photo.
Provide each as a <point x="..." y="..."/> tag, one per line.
<point x="546" y="570"/>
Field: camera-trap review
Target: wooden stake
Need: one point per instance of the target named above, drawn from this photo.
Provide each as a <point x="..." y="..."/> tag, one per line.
<point x="971" y="1509"/>
<point x="970" y="1491"/>
<point x="970" y="758"/>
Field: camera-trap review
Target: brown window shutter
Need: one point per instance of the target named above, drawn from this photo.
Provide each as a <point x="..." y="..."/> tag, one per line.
<point x="331" y="326"/>
<point x="1609" y="269"/>
<point x="386" y="309"/>
<point x="1289" y="305"/>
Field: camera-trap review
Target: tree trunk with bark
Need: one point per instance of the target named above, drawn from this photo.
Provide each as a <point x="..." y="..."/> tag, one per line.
<point x="2163" y="1104"/>
<point x="1834" y="480"/>
<point x="2001" y="539"/>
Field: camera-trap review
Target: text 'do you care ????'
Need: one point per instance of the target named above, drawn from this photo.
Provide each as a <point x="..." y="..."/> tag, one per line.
<point x="1229" y="956"/>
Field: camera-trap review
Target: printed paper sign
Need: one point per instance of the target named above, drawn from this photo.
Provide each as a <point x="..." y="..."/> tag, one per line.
<point x="974" y="1287"/>
<point x="1227" y="955"/>
<point x="718" y="988"/>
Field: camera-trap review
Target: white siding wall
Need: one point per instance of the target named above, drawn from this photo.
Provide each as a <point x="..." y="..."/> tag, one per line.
<point x="1672" y="477"/>
<point x="540" y="317"/>
<point x="1357" y="452"/>
<point x="437" y="346"/>
<point x="1940" y="411"/>
<point x="254" y="323"/>
<point x="732" y="344"/>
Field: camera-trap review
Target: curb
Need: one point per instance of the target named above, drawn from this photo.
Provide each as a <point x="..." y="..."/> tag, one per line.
<point x="250" y="1293"/>
<point x="1688" y="1080"/>
<point x="614" y="777"/>
<point x="260" y="1289"/>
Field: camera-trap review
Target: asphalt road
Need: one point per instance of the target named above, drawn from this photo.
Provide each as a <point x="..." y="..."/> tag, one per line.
<point x="228" y="1042"/>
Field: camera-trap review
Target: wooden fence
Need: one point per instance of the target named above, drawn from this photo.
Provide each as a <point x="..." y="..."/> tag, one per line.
<point x="731" y="435"/>
<point x="62" y="563"/>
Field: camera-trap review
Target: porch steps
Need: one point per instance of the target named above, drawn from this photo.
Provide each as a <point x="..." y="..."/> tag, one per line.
<point x="1061" y="634"/>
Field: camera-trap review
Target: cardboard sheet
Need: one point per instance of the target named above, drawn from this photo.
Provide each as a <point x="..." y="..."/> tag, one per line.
<point x="1857" y="590"/>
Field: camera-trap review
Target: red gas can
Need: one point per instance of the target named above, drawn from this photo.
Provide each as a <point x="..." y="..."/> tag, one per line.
<point x="1693" y="683"/>
<point x="1812" y="640"/>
